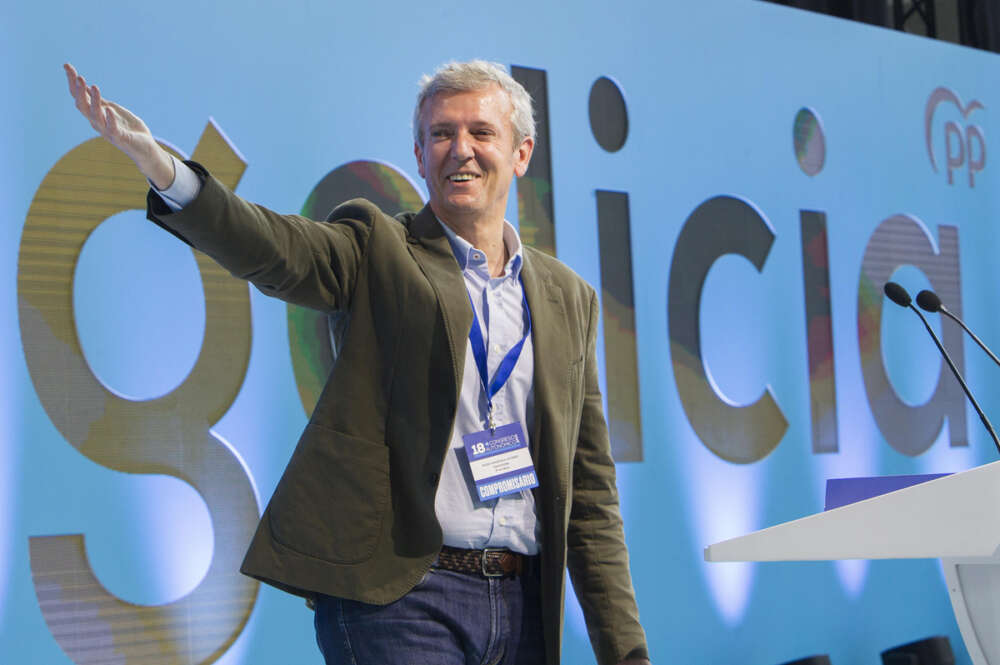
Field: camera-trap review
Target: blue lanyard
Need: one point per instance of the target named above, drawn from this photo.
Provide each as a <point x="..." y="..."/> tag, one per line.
<point x="506" y="365"/>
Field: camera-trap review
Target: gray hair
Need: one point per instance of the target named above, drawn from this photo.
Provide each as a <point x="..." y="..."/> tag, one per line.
<point x="476" y="75"/>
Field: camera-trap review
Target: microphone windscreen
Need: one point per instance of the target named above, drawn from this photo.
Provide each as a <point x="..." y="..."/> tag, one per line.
<point x="897" y="294"/>
<point x="928" y="301"/>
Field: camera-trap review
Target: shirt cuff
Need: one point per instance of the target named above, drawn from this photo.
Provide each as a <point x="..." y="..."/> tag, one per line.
<point x="183" y="190"/>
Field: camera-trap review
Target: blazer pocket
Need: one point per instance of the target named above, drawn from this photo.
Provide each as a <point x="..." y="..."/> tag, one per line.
<point x="332" y="499"/>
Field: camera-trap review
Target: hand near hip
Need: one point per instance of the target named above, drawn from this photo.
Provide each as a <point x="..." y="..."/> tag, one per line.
<point x="125" y="130"/>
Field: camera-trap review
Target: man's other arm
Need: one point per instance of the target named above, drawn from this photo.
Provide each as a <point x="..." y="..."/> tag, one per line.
<point x="597" y="555"/>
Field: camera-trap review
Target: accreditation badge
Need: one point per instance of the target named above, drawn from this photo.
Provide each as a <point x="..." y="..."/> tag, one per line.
<point x="500" y="461"/>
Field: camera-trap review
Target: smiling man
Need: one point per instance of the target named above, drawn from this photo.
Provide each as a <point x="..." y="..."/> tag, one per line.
<point x="458" y="461"/>
<point x="468" y="151"/>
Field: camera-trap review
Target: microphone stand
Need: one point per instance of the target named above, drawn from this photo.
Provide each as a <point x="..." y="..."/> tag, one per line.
<point x="899" y="295"/>
<point x="971" y="334"/>
<point x="961" y="381"/>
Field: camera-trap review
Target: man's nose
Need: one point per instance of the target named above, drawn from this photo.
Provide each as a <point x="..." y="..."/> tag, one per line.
<point x="461" y="147"/>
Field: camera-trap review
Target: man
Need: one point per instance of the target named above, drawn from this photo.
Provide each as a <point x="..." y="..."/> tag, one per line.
<point x="458" y="460"/>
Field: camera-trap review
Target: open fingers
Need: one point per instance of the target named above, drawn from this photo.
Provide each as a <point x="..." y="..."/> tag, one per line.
<point x="100" y="115"/>
<point x="95" y="102"/>
<point x="88" y="99"/>
<point x="78" y="88"/>
<point x="70" y="78"/>
<point x="76" y="82"/>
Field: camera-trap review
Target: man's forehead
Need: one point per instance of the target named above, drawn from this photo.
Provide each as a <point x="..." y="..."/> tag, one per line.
<point x="484" y="94"/>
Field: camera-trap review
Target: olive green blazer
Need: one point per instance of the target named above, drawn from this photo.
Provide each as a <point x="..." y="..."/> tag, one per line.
<point x="353" y="514"/>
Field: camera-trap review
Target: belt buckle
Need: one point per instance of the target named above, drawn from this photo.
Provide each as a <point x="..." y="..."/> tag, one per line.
<point x="498" y="552"/>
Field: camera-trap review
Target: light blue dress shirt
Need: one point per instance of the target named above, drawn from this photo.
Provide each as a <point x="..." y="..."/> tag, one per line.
<point x="509" y="521"/>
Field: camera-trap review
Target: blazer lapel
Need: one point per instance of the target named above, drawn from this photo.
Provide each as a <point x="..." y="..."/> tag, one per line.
<point x="551" y="353"/>
<point x="430" y="248"/>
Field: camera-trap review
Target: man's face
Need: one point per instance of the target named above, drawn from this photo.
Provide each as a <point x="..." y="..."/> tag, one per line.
<point x="469" y="157"/>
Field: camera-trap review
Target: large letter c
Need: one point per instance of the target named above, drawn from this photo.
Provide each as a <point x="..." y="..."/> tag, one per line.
<point x="719" y="226"/>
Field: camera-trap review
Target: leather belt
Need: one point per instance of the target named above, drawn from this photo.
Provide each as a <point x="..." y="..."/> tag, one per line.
<point x="490" y="562"/>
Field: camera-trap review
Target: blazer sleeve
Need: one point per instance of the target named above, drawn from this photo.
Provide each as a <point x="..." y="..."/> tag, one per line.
<point x="309" y="263"/>
<point x="597" y="557"/>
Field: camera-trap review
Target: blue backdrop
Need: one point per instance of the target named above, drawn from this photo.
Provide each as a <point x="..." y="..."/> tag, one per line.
<point x="713" y="90"/>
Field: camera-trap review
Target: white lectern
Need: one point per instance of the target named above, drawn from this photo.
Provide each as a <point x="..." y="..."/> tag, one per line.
<point x="955" y="518"/>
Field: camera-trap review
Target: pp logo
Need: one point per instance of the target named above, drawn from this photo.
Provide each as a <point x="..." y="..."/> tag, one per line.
<point x="962" y="148"/>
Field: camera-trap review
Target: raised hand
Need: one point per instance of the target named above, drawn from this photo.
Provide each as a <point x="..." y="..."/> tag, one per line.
<point x="125" y="130"/>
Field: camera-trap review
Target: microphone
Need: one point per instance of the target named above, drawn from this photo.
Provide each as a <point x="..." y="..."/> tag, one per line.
<point x="899" y="295"/>
<point x="930" y="302"/>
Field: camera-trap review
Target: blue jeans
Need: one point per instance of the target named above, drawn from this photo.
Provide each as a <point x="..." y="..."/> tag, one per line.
<point x="449" y="618"/>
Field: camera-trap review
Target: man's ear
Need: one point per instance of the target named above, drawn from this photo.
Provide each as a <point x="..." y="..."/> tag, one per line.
<point x="523" y="156"/>
<point x="419" y="154"/>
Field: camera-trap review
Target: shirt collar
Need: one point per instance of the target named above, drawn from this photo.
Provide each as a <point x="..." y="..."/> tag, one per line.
<point x="471" y="257"/>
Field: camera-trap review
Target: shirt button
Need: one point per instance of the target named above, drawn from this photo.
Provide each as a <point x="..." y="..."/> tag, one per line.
<point x="496" y="348"/>
<point x="503" y="521"/>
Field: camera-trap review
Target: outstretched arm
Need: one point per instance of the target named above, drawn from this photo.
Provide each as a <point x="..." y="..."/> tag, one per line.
<point x="125" y="130"/>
